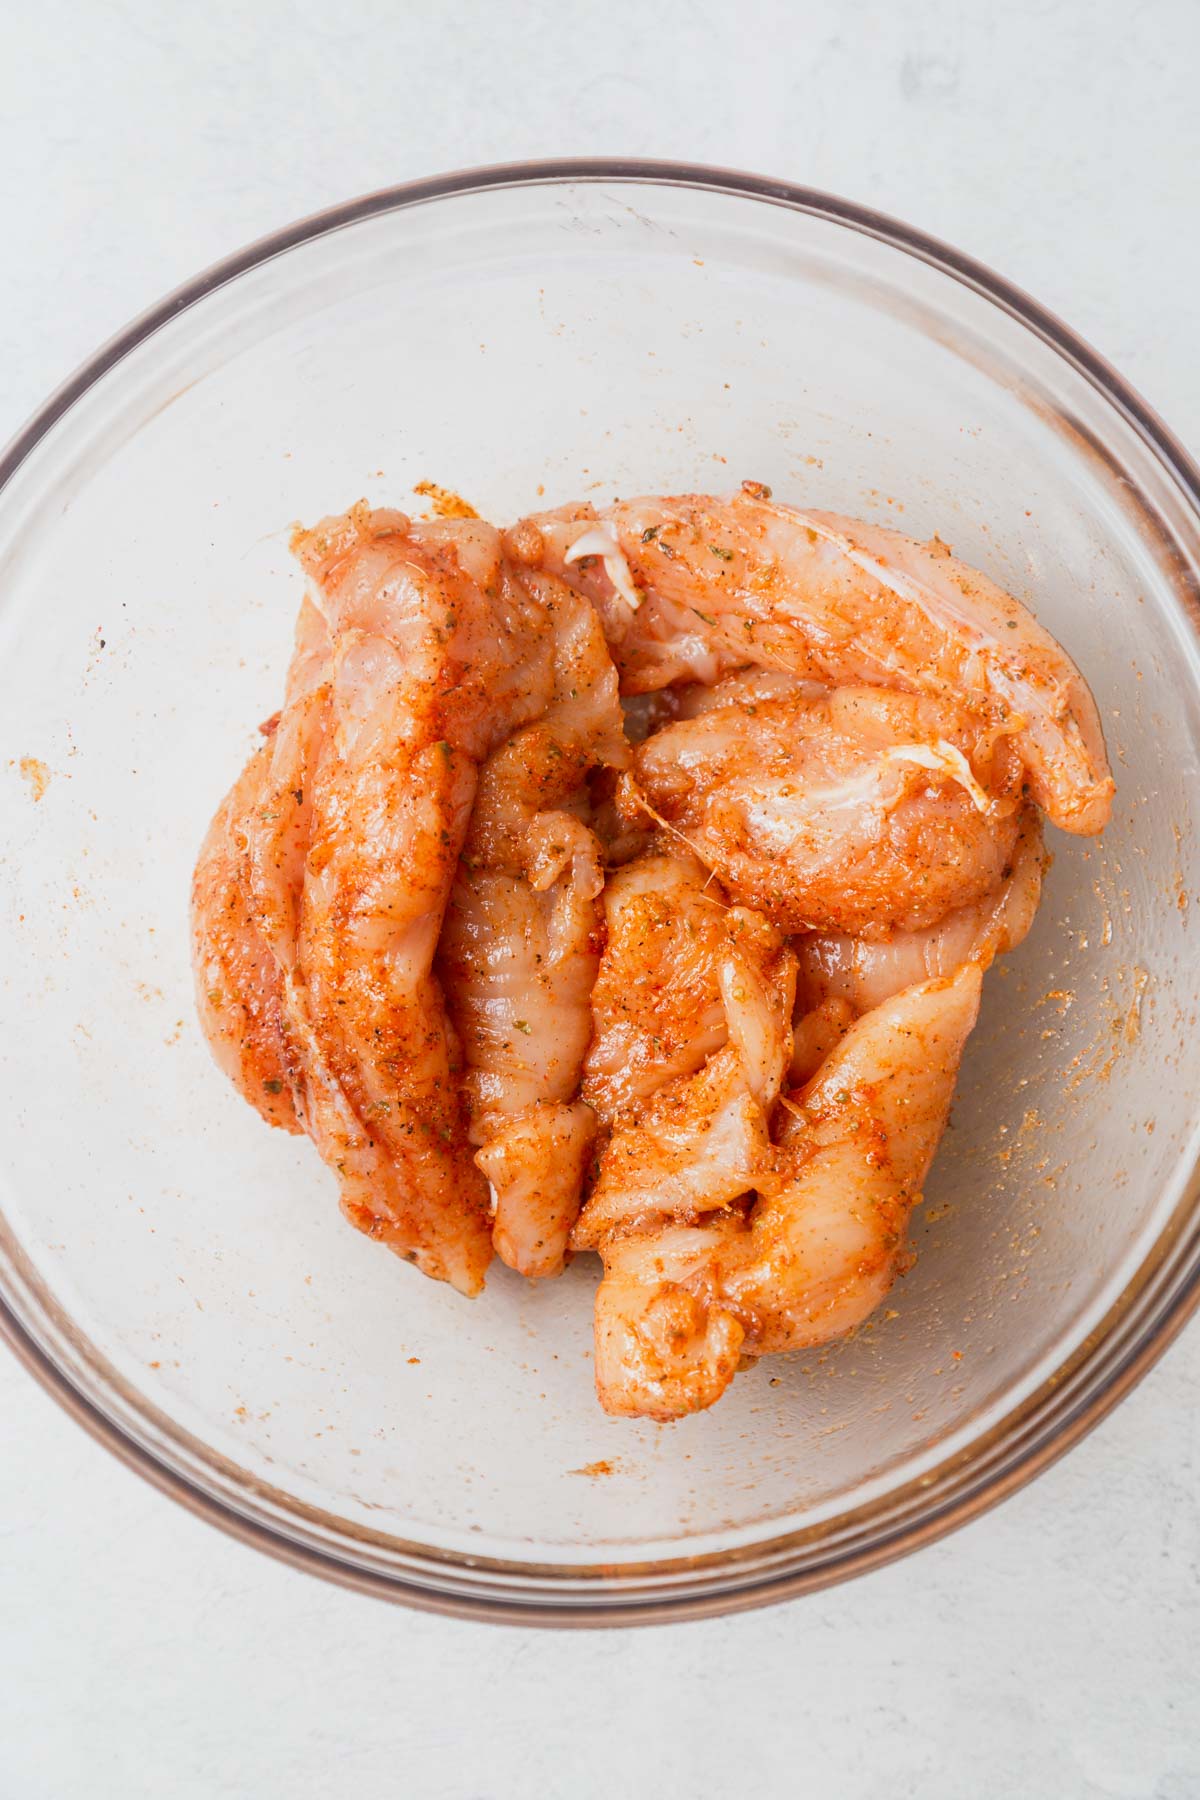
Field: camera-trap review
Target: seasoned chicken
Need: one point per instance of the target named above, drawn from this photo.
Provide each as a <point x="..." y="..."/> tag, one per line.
<point x="336" y="854"/>
<point x="863" y="810"/>
<point x="816" y="1028"/>
<point x="678" y="1307"/>
<point x="438" y="656"/>
<point x="656" y="1003"/>
<point x="237" y="981"/>
<point x="522" y="938"/>
<point x="864" y="972"/>
<point x="625" y="882"/>
<point x="245" y="893"/>
<point x="692" y="587"/>
<point x="693" y="1038"/>
<point x="820" y="1253"/>
<point x="692" y="1009"/>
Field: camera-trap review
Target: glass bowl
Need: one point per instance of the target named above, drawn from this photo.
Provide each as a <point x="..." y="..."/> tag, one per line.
<point x="179" y="1276"/>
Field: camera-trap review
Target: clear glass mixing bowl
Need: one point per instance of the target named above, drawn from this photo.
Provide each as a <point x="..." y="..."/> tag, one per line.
<point x="179" y="1276"/>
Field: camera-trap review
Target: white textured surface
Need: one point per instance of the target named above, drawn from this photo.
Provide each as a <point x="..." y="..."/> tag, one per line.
<point x="1050" y="1649"/>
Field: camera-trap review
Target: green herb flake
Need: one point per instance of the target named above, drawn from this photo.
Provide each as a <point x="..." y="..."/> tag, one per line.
<point x="725" y="555"/>
<point x="523" y="1025"/>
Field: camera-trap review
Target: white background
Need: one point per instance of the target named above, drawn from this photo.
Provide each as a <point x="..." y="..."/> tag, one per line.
<point x="1051" y="1649"/>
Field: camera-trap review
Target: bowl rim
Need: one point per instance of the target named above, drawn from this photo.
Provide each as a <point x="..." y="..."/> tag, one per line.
<point x="1052" y="1419"/>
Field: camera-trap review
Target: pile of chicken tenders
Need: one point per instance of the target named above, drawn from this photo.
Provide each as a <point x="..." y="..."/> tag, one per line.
<point x="624" y="881"/>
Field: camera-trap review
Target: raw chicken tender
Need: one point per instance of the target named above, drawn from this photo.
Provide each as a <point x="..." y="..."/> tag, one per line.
<point x="864" y="972"/>
<point x="237" y="982"/>
<point x="656" y="1004"/>
<point x="861" y="811"/>
<point x="245" y="894"/>
<point x="522" y="940"/>
<point x="693" y="1035"/>
<point x="679" y="1307"/>
<point x="693" y="586"/>
<point x="335" y="856"/>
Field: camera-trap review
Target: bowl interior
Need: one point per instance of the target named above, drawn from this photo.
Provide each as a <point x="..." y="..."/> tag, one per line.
<point x="522" y="346"/>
